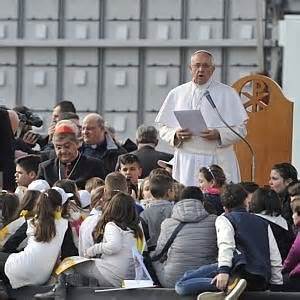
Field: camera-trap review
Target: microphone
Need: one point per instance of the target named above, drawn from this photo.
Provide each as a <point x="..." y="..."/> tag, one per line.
<point x="210" y="100"/>
<point x="213" y="105"/>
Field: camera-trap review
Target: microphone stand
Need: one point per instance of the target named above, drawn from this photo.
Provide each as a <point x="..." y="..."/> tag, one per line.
<point x="210" y="100"/>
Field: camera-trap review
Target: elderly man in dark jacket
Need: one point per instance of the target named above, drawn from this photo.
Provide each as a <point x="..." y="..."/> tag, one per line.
<point x="98" y="143"/>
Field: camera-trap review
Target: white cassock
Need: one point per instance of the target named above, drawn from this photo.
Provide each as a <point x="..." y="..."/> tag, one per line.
<point x="197" y="152"/>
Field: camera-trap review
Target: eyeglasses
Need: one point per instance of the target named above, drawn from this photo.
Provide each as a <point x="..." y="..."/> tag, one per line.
<point x="203" y="66"/>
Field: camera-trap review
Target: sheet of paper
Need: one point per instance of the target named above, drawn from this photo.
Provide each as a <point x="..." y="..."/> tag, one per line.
<point x="129" y="285"/>
<point x="192" y="120"/>
<point x="133" y="284"/>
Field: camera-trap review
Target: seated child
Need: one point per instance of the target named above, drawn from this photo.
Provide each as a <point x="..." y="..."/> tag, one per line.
<point x="144" y="195"/>
<point x="9" y="204"/>
<point x="114" y="183"/>
<point x="45" y="232"/>
<point x="266" y="204"/>
<point x="247" y="250"/>
<point x="291" y="265"/>
<point x="93" y="183"/>
<point x="161" y="188"/>
<point x="211" y="181"/>
<point x="115" y="235"/>
<point x="16" y="238"/>
<point x="194" y="245"/>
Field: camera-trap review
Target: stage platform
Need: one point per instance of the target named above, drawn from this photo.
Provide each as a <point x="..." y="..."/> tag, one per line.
<point x="89" y="293"/>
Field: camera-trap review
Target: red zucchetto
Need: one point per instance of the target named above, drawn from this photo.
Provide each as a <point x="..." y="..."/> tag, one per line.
<point x="64" y="128"/>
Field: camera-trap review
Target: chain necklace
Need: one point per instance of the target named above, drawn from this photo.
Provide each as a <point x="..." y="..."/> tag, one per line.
<point x="72" y="170"/>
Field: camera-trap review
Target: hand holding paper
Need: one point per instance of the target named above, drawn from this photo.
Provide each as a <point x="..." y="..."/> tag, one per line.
<point x="192" y="120"/>
<point x="210" y="134"/>
<point x="183" y="134"/>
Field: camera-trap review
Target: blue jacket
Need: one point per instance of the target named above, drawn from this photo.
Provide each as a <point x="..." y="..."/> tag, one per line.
<point x="252" y="254"/>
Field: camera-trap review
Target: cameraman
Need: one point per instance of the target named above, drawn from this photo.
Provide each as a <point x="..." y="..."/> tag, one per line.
<point x="26" y="139"/>
<point x="60" y="108"/>
<point x="8" y="124"/>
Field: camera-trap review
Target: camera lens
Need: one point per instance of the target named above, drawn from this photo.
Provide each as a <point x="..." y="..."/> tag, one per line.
<point x="34" y="120"/>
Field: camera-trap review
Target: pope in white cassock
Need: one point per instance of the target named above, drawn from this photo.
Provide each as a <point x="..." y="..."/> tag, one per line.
<point x="213" y="146"/>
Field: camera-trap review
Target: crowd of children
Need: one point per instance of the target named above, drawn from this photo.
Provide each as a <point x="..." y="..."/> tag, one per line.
<point x="216" y="239"/>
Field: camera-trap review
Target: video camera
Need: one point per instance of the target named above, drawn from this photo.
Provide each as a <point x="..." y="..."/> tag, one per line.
<point x="29" y="118"/>
<point x="26" y="116"/>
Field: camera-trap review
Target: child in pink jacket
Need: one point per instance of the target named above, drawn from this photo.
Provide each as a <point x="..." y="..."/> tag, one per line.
<point x="291" y="264"/>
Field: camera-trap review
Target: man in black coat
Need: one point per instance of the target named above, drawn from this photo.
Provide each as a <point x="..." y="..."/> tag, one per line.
<point x="69" y="162"/>
<point x="147" y="140"/>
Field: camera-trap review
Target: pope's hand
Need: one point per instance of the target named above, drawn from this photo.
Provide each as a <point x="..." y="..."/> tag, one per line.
<point x="183" y="134"/>
<point x="210" y="134"/>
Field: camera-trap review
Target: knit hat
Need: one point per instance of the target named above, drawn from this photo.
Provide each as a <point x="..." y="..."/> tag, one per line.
<point x="39" y="185"/>
<point x="64" y="196"/>
<point x="84" y="198"/>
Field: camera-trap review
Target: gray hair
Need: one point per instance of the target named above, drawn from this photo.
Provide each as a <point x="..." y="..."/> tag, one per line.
<point x="205" y="52"/>
<point x="146" y="134"/>
<point x="95" y="117"/>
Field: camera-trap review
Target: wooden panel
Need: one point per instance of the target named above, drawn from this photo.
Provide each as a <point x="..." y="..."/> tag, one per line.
<point x="270" y="126"/>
